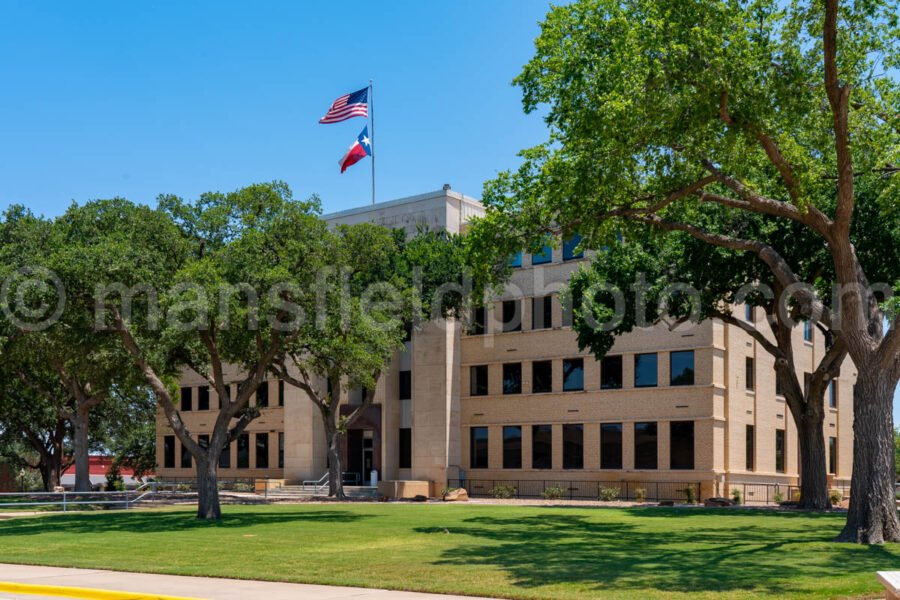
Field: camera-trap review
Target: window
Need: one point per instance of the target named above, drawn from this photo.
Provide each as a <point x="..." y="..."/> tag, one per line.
<point x="243" y="451"/>
<point x="225" y="457"/>
<point x="807" y="331"/>
<point x="645" y="370"/>
<point x="280" y="449"/>
<point x="749" y="373"/>
<point x="541" y="447"/>
<point x="512" y="378"/>
<point x="203" y="397"/>
<point x="541" y="312"/>
<point x="262" y="450"/>
<point x="645" y="443"/>
<point x="543" y="257"/>
<point x="611" y="446"/>
<point x="203" y="441"/>
<point x="186" y="462"/>
<point x="262" y="395"/>
<point x="681" y="367"/>
<point x="573" y="374"/>
<point x="541" y="377"/>
<point x="169" y="452"/>
<point x="405" y="385"/>
<point x="611" y="372"/>
<point x="280" y="392"/>
<point x="748" y="313"/>
<point x="573" y="446"/>
<point x="512" y="316"/>
<point x="832" y="455"/>
<point x="405" y="456"/>
<point x="477" y="326"/>
<point x="681" y="445"/>
<point x="750" y="448"/>
<point x="512" y="447"/>
<point x="569" y="305"/>
<point x="832" y="394"/>
<point x="478" y="384"/>
<point x="478" y="448"/>
<point x="515" y="261"/>
<point x="779" y="450"/>
<point x="185" y="399"/>
<point x="570" y="246"/>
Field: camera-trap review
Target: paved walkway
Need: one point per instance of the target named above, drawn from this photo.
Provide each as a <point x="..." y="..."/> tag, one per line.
<point x="148" y="586"/>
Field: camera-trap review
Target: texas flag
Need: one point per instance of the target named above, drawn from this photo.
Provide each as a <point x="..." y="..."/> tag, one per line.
<point x="358" y="151"/>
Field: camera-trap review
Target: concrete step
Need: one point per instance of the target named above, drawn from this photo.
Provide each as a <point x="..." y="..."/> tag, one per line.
<point x="300" y="491"/>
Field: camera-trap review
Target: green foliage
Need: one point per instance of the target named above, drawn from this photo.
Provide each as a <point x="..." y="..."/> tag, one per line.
<point x="503" y="491"/>
<point x="690" y="494"/>
<point x="736" y="496"/>
<point x="640" y="494"/>
<point x="835" y="496"/>
<point x="609" y="494"/>
<point x="553" y="493"/>
<point x="778" y="496"/>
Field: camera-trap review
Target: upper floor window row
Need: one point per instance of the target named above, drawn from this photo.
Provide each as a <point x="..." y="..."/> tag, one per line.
<point x="570" y="251"/>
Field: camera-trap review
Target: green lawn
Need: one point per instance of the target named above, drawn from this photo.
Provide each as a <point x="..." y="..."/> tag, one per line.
<point x="506" y="551"/>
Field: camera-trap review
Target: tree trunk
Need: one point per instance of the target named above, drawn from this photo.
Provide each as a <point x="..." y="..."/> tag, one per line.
<point x="872" y="518"/>
<point x="80" y="451"/>
<point x="208" y="507"/>
<point x="335" y="468"/>
<point x="50" y="474"/>
<point x="813" y="472"/>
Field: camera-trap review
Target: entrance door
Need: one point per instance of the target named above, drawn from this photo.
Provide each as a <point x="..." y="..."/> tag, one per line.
<point x="354" y="456"/>
<point x="368" y="456"/>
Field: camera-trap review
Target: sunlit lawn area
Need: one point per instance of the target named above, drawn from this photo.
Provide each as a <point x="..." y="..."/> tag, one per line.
<point x="506" y="551"/>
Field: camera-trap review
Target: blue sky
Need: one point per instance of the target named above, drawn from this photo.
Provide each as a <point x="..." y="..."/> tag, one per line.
<point x="108" y="99"/>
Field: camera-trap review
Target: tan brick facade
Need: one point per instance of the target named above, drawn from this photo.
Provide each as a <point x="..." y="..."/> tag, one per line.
<point x="441" y="411"/>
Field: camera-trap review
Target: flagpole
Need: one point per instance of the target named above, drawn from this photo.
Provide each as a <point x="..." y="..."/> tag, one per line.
<point x="372" y="138"/>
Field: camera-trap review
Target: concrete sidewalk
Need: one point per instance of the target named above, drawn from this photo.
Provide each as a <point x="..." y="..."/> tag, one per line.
<point x="206" y="588"/>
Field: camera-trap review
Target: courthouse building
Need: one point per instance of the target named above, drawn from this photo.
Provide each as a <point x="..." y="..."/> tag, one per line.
<point x="510" y="398"/>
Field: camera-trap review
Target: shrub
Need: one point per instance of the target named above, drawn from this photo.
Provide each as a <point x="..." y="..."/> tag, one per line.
<point x="608" y="494"/>
<point x="640" y="494"/>
<point x="503" y="491"/>
<point x="795" y="496"/>
<point x="835" y="496"/>
<point x="778" y="497"/>
<point x="690" y="495"/>
<point x="736" y="496"/>
<point x="553" y="493"/>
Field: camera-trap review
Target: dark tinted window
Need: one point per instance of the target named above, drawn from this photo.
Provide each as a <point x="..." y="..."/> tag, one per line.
<point x="185" y="458"/>
<point x="832" y="394"/>
<point x="280" y="450"/>
<point x="611" y="372"/>
<point x="478" y="385"/>
<point x="405" y="448"/>
<point x="611" y="446"/>
<point x="512" y="447"/>
<point x="515" y="260"/>
<point x="169" y="452"/>
<point x="543" y="257"/>
<point x="405" y="385"/>
<point x="512" y="315"/>
<point x="243" y="451"/>
<point x="573" y="446"/>
<point x="645" y="370"/>
<point x="512" y="378"/>
<point x="681" y="367"/>
<point x="749" y="374"/>
<point x="541" y="447"/>
<point x="832" y="455"/>
<point x="541" y="312"/>
<point x="645" y="445"/>
<point x="573" y="374"/>
<point x="185" y="399"/>
<point x="750" y="449"/>
<point x="225" y="457"/>
<point x="541" y="376"/>
<point x="203" y="397"/>
<point x="681" y="445"/>
<point x="570" y="246"/>
<point x="280" y="393"/>
<point x="478" y="458"/>
<point x="779" y="450"/>
<point x="262" y="395"/>
<point x="262" y="450"/>
<point x="477" y="326"/>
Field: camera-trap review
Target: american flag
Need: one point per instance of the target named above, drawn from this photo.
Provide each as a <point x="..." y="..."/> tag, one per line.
<point x="348" y="106"/>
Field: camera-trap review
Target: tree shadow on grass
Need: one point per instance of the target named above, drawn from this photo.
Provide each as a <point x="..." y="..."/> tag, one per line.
<point x="701" y="555"/>
<point x="164" y="521"/>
